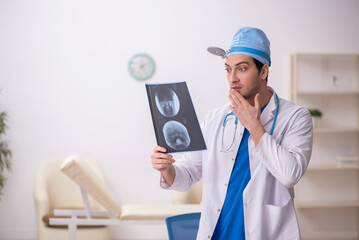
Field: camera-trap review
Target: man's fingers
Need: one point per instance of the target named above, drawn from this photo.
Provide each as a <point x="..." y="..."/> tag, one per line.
<point x="160" y="164"/>
<point x="162" y="161"/>
<point x="239" y="96"/>
<point x="235" y="102"/>
<point x="160" y="152"/>
<point x="160" y="149"/>
<point x="237" y="99"/>
<point x="160" y="167"/>
<point x="158" y="155"/>
<point x="233" y="96"/>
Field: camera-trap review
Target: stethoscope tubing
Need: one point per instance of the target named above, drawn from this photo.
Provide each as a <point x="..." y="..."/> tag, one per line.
<point x="236" y="123"/>
<point x="275" y="116"/>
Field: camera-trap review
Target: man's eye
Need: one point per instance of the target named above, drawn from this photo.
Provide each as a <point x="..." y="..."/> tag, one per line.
<point x="227" y="69"/>
<point x="242" y="69"/>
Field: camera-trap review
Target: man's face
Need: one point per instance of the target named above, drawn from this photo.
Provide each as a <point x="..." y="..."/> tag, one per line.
<point x="243" y="75"/>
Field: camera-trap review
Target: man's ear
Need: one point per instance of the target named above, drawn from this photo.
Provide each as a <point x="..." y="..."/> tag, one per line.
<point x="264" y="71"/>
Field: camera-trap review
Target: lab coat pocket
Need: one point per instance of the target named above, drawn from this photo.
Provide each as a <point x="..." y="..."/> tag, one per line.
<point x="281" y="223"/>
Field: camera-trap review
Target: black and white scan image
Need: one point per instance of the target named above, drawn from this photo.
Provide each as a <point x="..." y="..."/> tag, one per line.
<point x="176" y="135"/>
<point x="167" y="101"/>
<point x="174" y="118"/>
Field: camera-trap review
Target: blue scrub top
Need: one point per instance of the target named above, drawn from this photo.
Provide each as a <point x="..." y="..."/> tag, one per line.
<point x="230" y="224"/>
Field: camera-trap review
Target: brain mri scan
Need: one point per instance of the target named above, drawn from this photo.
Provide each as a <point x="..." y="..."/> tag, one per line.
<point x="167" y="101"/>
<point x="176" y="135"/>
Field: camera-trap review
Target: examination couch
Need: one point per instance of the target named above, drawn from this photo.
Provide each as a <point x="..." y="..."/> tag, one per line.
<point x="101" y="208"/>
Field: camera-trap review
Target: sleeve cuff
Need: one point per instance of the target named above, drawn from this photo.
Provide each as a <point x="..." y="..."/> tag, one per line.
<point x="177" y="183"/>
<point x="164" y="184"/>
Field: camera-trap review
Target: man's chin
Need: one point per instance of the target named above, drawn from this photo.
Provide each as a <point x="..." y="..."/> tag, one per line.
<point x="243" y="94"/>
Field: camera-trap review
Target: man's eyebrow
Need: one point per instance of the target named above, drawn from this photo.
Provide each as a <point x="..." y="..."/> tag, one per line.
<point x="237" y="64"/>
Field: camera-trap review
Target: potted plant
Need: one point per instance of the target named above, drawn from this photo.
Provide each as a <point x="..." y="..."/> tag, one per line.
<point x="316" y="114"/>
<point x="5" y="152"/>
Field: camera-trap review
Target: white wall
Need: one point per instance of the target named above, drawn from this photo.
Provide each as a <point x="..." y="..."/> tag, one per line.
<point x="63" y="70"/>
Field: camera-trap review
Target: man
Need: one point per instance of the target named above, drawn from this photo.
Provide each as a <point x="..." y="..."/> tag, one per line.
<point x="258" y="147"/>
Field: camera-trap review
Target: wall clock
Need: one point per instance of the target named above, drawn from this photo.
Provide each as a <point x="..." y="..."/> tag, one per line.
<point x="141" y="66"/>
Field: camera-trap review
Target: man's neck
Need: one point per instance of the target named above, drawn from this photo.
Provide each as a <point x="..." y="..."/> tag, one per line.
<point x="264" y="97"/>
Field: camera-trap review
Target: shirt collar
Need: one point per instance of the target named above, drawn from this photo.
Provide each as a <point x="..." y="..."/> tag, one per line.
<point x="270" y="109"/>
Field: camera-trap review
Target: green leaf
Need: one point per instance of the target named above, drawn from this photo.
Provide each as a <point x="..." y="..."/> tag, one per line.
<point x="2" y="183"/>
<point x="3" y="126"/>
<point x="315" y="112"/>
<point x="5" y="152"/>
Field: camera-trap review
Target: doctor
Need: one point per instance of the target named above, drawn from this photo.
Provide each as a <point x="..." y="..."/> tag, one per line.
<point x="258" y="148"/>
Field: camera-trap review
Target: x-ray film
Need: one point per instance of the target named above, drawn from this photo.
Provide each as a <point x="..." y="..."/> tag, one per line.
<point x="174" y="118"/>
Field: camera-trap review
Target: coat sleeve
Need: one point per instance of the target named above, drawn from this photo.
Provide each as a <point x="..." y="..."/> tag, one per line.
<point x="188" y="170"/>
<point x="288" y="160"/>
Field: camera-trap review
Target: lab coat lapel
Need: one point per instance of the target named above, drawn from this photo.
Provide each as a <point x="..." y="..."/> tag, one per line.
<point x="238" y="139"/>
<point x="268" y="113"/>
<point x="266" y="118"/>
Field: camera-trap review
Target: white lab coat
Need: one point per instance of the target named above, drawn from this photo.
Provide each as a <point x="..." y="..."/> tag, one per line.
<point x="276" y="165"/>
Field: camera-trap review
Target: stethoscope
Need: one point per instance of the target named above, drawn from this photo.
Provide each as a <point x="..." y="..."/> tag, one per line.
<point x="236" y="124"/>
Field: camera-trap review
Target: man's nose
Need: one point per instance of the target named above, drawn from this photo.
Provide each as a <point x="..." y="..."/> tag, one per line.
<point x="233" y="76"/>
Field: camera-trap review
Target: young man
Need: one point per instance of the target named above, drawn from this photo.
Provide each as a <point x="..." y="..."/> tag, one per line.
<point x="258" y="147"/>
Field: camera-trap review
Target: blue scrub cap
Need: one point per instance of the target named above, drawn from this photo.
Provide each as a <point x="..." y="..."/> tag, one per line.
<point x="248" y="41"/>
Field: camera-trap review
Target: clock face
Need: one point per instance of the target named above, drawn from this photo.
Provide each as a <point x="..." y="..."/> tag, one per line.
<point x="141" y="66"/>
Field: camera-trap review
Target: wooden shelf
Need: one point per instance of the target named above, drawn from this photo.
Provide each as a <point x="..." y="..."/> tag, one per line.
<point x="336" y="130"/>
<point x="329" y="82"/>
<point x="333" y="167"/>
<point x="325" y="55"/>
<point x="327" y="204"/>
<point x="327" y="93"/>
<point x="329" y="239"/>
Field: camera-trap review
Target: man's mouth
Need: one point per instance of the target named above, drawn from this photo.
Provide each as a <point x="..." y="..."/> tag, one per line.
<point x="237" y="88"/>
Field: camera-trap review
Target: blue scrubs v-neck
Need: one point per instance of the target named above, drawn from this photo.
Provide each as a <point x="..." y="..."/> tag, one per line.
<point x="230" y="224"/>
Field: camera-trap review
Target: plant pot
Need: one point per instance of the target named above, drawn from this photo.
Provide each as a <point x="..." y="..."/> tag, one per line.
<point x="315" y="121"/>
